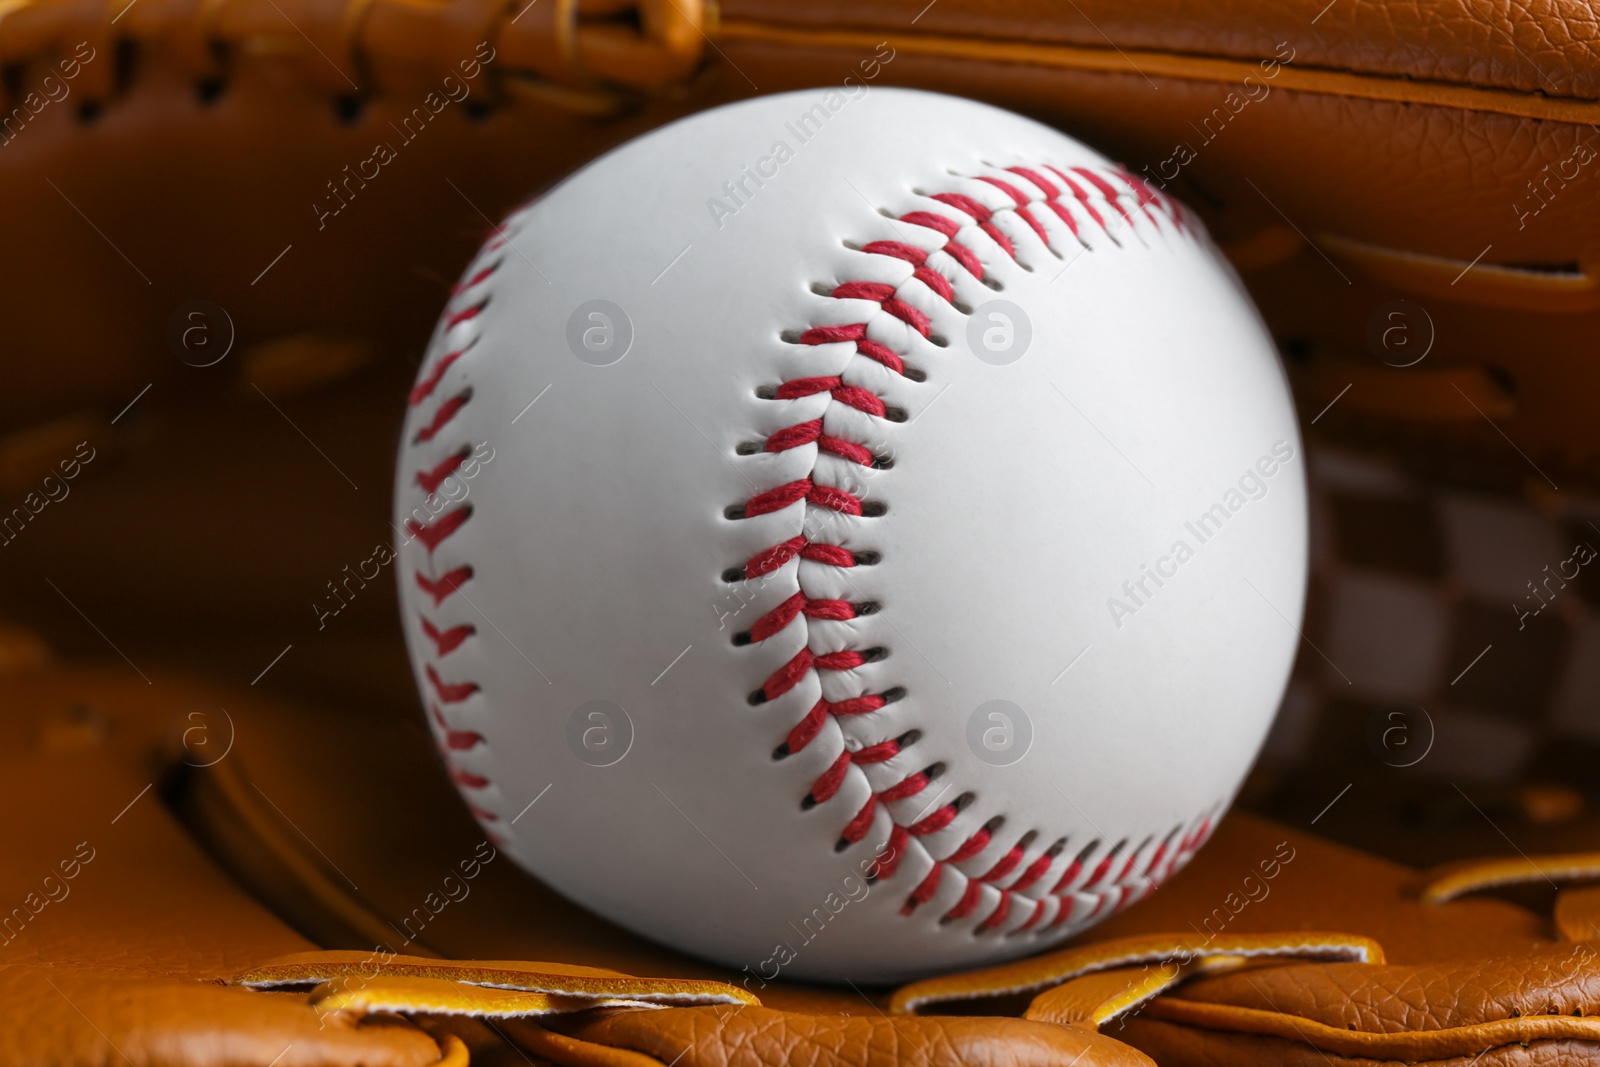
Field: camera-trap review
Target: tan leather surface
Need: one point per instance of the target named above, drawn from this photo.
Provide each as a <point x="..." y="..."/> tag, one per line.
<point x="124" y="931"/>
<point x="1364" y="137"/>
<point x="63" y="1016"/>
<point x="1547" y="47"/>
<point x="76" y="749"/>
<point x="116" y="928"/>
<point x="1536" y="1008"/>
<point x="1326" y="887"/>
<point x="147" y="915"/>
<point x="753" y="1037"/>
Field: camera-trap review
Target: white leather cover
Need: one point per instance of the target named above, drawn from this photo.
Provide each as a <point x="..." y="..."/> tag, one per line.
<point x="566" y="585"/>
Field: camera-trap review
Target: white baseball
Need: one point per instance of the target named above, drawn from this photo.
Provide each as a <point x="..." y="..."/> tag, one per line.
<point x="852" y="534"/>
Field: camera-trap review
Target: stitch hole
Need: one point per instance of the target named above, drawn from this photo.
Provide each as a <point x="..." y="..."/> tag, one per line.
<point x="209" y="90"/>
<point x="749" y="448"/>
<point x="874" y="509"/>
<point x="782" y="751"/>
<point x="348" y="109"/>
<point x="933" y="771"/>
<point x="790" y="337"/>
<point x="767" y="392"/>
<point x="993" y="283"/>
<point x="964" y="801"/>
<point x="896" y="414"/>
<point x="909" y="738"/>
<point x="854" y="246"/>
<point x="874" y="655"/>
<point x="89" y="112"/>
<point x="866" y="607"/>
<point x="733" y="511"/>
<point x="891" y="696"/>
<point x="733" y="574"/>
<point x="1056" y="849"/>
<point x="882" y="463"/>
<point x="868" y="558"/>
<point x="757" y="698"/>
<point x="915" y="374"/>
<point x="822" y="288"/>
<point x="938" y="340"/>
<point x="741" y="639"/>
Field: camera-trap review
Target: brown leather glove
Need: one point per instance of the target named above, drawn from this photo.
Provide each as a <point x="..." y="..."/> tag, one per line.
<point x="1348" y="157"/>
<point x="128" y="945"/>
<point x="135" y="940"/>
<point x="1420" y="977"/>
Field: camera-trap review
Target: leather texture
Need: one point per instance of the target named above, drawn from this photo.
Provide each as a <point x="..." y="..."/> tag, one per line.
<point x="882" y="841"/>
<point x="147" y="953"/>
<point x="84" y="743"/>
<point x="191" y="150"/>
<point x="1379" y="160"/>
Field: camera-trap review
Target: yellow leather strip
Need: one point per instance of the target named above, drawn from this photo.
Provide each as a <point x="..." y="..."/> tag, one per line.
<point x="1169" y="950"/>
<point x="1095" y="999"/>
<point x="438" y="996"/>
<point x="1171" y="65"/>
<point x="1409" y="1045"/>
<point x="308" y="968"/>
<point x="1459" y="879"/>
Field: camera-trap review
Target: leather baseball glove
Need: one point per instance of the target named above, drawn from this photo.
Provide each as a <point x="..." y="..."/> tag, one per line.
<point x="203" y="887"/>
<point x="230" y="225"/>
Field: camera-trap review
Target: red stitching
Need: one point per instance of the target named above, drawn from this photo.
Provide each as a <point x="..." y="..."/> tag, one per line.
<point x="441" y="417"/>
<point x="431" y="534"/>
<point x="430" y="480"/>
<point x="441" y="588"/>
<point x="449" y="640"/>
<point x="449" y="692"/>
<point x="807" y="491"/>
<point x="425" y="386"/>
<point x="443" y="526"/>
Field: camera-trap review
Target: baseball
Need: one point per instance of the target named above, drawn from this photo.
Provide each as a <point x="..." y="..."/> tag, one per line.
<point x="851" y="534"/>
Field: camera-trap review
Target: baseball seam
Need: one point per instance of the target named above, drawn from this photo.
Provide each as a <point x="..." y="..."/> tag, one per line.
<point x="1096" y="876"/>
<point x="1142" y="868"/>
